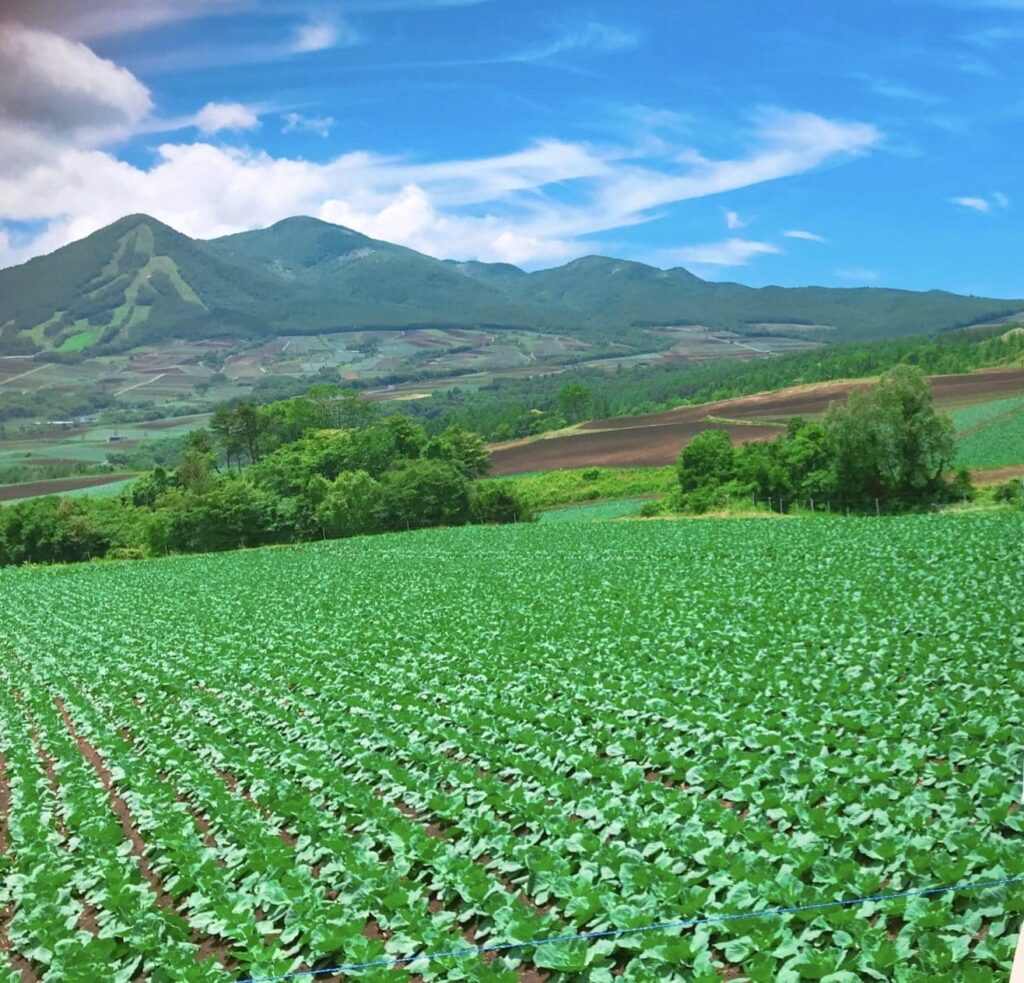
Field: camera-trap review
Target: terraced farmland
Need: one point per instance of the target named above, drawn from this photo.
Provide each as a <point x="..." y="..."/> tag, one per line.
<point x="245" y="764"/>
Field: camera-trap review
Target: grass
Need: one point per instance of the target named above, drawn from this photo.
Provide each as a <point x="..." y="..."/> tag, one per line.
<point x="549" y="489"/>
<point x="78" y="342"/>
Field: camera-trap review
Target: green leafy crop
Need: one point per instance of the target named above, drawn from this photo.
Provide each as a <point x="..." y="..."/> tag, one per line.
<point x="258" y="762"/>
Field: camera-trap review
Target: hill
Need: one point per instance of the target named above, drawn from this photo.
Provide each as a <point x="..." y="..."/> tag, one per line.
<point x="139" y="281"/>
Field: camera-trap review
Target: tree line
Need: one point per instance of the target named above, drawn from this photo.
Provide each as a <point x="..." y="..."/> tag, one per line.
<point x="317" y="467"/>
<point x="885" y="448"/>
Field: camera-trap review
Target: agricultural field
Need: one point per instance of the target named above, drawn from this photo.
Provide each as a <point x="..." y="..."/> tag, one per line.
<point x="240" y="765"/>
<point x="991" y="434"/>
<point x="655" y="439"/>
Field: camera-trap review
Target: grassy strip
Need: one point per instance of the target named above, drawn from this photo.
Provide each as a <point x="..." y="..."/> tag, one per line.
<point x="548" y="489"/>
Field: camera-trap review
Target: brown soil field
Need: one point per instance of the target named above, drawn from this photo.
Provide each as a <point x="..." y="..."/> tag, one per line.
<point x="55" y="486"/>
<point x="631" y="447"/>
<point x="657" y="438"/>
<point x="993" y="476"/>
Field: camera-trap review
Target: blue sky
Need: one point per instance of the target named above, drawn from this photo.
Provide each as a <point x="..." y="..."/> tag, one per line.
<point x="872" y="143"/>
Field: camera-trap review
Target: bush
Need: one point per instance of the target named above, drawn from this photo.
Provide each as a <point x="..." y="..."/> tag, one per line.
<point x="500" y="503"/>
<point x="655" y="507"/>
<point x="1010" y="492"/>
<point x="590" y="474"/>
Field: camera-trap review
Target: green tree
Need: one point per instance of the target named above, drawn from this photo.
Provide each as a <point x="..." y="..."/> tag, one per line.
<point x="708" y="458"/>
<point x="424" y="493"/>
<point x="573" y="399"/>
<point x="351" y="505"/>
<point x="889" y="443"/>
<point x="462" y="448"/>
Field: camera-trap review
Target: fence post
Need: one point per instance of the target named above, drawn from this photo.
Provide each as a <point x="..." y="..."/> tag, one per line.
<point x="878" y="511"/>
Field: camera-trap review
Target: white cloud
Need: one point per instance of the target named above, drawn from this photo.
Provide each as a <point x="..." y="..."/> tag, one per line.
<point x="536" y="204"/>
<point x="983" y="205"/>
<point x="217" y="116"/>
<point x="594" y="37"/>
<point x="86" y="19"/>
<point x="320" y="34"/>
<point x="59" y="90"/>
<point x="804" y="234"/>
<point x="733" y="221"/>
<point x="977" y="204"/>
<point x="297" y="123"/>
<point x="729" y="252"/>
<point x="860" y="273"/>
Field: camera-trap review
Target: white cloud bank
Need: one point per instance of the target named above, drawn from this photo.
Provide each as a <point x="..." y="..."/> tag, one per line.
<point x="65" y="106"/>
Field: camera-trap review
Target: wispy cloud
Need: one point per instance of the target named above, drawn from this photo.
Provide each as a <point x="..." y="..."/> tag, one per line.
<point x="993" y="37"/>
<point x="897" y="90"/>
<point x="862" y="274"/>
<point x="804" y="234"/>
<point x="976" y="204"/>
<point x="316" y="33"/>
<point x="733" y="221"/>
<point x="728" y="252"/>
<point x="593" y="37"/>
<point x="297" y="123"/>
<point x="983" y="205"/>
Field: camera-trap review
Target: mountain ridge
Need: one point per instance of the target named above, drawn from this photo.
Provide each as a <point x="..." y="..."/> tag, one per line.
<point x="139" y="281"/>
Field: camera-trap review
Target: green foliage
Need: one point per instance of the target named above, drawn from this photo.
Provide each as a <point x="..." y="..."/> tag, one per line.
<point x="885" y="444"/>
<point x="888" y="441"/>
<point x="497" y="503"/>
<point x="550" y="489"/>
<point x="322" y="483"/>
<point x="709" y="459"/>
<point x="424" y="493"/>
<point x="464" y="450"/>
<point x="573" y="400"/>
<point x="621" y="724"/>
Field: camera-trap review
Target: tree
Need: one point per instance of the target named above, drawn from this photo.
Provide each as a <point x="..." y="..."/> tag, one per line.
<point x="424" y="493"/>
<point x="463" y="449"/>
<point x="708" y="458"/>
<point x="572" y="400"/>
<point x="889" y="443"/>
<point x="351" y="505"/>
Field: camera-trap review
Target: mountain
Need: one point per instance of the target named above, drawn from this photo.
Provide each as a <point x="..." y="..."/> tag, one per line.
<point x="139" y="281"/>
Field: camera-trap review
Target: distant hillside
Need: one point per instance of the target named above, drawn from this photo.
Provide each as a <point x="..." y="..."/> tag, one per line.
<point x="138" y="281"/>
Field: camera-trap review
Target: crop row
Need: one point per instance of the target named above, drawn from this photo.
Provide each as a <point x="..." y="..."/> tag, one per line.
<point x="254" y="763"/>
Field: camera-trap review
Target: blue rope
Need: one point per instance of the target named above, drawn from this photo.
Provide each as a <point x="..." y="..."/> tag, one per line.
<point x="612" y="932"/>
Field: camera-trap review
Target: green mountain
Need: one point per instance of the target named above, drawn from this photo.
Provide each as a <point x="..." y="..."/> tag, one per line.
<point x="138" y="281"/>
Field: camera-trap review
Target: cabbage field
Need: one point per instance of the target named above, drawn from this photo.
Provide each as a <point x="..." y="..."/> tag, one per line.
<point x="242" y="765"/>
